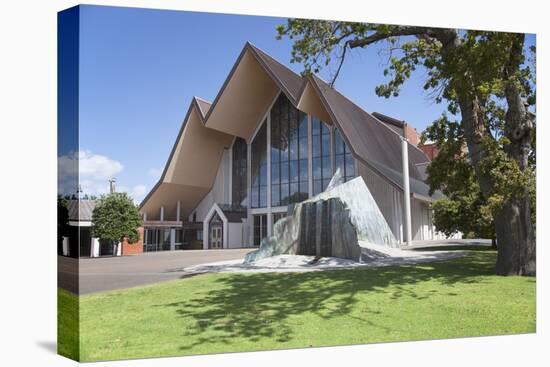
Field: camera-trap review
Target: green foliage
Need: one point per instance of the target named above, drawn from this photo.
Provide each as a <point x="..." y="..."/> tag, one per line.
<point x="115" y="216"/>
<point x="475" y="65"/>
<point x="316" y="40"/>
<point x="509" y="181"/>
<point x="461" y="210"/>
<point x="463" y="68"/>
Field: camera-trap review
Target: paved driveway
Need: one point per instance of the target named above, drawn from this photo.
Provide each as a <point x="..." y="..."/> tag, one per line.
<point x="102" y="274"/>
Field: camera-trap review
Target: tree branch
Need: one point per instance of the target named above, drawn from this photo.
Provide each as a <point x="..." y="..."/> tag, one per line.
<point x="445" y="36"/>
<point x="340" y="63"/>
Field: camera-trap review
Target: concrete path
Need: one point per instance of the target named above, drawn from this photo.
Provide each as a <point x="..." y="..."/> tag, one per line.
<point x="102" y="274"/>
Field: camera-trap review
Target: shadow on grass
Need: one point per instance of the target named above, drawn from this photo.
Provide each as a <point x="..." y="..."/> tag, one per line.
<point x="255" y="307"/>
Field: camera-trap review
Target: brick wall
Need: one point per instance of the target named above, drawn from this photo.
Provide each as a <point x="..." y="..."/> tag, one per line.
<point x="133" y="248"/>
<point x="411" y="134"/>
<point x="430" y="150"/>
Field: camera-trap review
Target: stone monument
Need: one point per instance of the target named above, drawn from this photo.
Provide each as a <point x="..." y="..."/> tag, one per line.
<point x="329" y="224"/>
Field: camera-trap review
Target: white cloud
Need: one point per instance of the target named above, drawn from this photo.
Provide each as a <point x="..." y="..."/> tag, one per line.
<point x="97" y="166"/>
<point x="136" y="192"/>
<point x="93" y="171"/>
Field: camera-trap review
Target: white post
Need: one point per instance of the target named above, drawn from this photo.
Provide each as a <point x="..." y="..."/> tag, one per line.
<point x="178" y="209"/>
<point x="268" y="214"/>
<point x="406" y="191"/>
<point x="172" y="239"/>
<point x="249" y="193"/>
<point x="162" y="213"/>
<point x="145" y="217"/>
<point x="309" y="157"/>
<point x="95" y="247"/>
<point x="65" y="246"/>
<point x="205" y="234"/>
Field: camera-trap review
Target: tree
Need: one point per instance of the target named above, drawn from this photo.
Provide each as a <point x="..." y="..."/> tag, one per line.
<point x="114" y="217"/>
<point x="463" y="209"/>
<point x="485" y="79"/>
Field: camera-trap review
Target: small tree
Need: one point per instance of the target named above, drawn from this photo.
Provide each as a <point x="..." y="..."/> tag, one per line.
<point x="114" y="217"/>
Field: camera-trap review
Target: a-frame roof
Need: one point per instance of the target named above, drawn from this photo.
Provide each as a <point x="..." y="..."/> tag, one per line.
<point x="289" y="82"/>
<point x="371" y="141"/>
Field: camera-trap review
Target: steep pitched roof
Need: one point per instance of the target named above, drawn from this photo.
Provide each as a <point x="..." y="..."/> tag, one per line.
<point x="290" y="82"/>
<point x="389" y="120"/>
<point x="371" y="140"/>
<point x="203" y="106"/>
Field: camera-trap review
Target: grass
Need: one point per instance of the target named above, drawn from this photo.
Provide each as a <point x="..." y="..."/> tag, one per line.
<point x="216" y="313"/>
<point x="67" y="324"/>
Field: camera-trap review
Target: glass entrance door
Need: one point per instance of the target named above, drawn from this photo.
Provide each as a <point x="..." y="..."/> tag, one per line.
<point x="216" y="232"/>
<point x="216" y="236"/>
<point x="260" y="228"/>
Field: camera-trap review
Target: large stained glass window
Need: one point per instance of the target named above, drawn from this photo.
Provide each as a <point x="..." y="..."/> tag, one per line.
<point x="239" y="174"/>
<point x="258" y="190"/>
<point x="322" y="169"/>
<point x="289" y="153"/>
<point x="343" y="157"/>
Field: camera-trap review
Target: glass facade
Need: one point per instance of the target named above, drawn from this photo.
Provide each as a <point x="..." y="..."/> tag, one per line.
<point x="258" y="190"/>
<point x="289" y="153"/>
<point x="297" y="153"/>
<point x="321" y="155"/>
<point x="157" y="239"/>
<point x="343" y="158"/>
<point x="260" y="228"/>
<point x="239" y="173"/>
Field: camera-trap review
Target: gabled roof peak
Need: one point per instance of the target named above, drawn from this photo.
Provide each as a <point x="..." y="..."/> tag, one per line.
<point x="203" y="106"/>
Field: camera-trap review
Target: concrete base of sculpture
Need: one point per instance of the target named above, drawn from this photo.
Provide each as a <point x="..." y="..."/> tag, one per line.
<point x="329" y="224"/>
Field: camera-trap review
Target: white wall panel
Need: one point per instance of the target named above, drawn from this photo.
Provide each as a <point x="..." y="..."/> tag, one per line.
<point x="220" y="190"/>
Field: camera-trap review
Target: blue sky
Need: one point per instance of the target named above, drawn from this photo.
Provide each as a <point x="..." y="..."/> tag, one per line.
<point x="139" y="69"/>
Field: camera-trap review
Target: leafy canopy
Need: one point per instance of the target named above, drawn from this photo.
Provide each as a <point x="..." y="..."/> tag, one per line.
<point x="114" y="217"/>
<point x="459" y="66"/>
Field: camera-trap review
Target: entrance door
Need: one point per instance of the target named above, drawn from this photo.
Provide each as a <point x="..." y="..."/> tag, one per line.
<point x="216" y="239"/>
<point x="260" y="228"/>
<point x="106" y="248"/>
<point x="216" y="232"/>
<point x="85" y="242"/>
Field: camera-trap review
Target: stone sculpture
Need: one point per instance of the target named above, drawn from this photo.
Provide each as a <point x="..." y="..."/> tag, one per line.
<point x="332" y="223"/>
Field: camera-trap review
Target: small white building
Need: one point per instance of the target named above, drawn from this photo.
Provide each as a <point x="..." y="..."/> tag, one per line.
<point x="80" y="242"/>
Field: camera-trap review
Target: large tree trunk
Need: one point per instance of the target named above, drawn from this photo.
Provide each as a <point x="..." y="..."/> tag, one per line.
<point x="513" y="225"/>
<point x="516" y="240"/>
<point x="517" y="254"/>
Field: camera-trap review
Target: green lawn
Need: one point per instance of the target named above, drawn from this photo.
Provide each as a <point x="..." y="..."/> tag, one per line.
<point x="67" y="324"/>
<point x="235" y="312"/>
